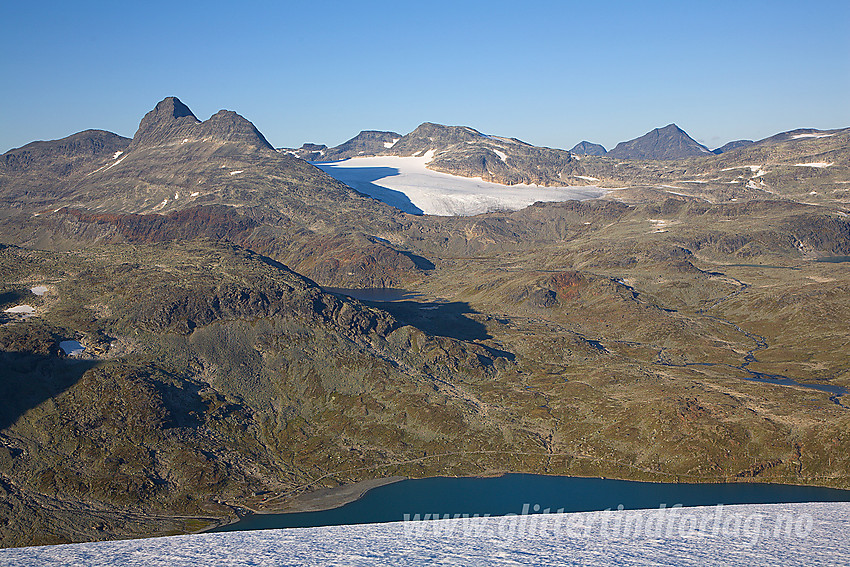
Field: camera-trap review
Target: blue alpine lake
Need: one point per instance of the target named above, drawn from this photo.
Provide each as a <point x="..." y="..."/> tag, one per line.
<point x="529" y="493"/>
<point x="373" y="294"/>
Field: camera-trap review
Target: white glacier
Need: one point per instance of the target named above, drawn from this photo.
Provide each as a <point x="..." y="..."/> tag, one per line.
<point x="406" y="183"/>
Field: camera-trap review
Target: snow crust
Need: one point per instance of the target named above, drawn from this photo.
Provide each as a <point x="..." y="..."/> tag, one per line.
<point x="753" y="168"/>
<point x="798" y="136"/>
<point x="237" y="172"/>
<point x="39" y="290"/>
<point x="114" y="163"/>
<point x="21" y="309"/>
<point x="816" y="534"/>
<point x="407" y="184"/>
<point x="817" y="164"/>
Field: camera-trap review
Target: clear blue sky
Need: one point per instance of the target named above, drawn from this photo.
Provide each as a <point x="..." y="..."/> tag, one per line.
<point x="551" y="73"/>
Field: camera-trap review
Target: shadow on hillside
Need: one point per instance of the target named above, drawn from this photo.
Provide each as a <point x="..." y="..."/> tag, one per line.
<point x="362" y="180"/>
<point x="419" y="261"/>
<point x="442" y="319"/>
<point x="27" y="380"/>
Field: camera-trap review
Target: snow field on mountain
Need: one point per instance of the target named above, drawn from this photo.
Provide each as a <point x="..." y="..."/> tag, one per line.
<point x="406" y="183"/>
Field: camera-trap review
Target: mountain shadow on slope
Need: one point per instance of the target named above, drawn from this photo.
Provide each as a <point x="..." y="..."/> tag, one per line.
<point x="363" y="180"/>
<point x="440" y="319"/>
<point x="34" y="370"/>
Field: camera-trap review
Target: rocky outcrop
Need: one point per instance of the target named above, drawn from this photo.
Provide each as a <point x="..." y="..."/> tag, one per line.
<point x="307" y="152"/>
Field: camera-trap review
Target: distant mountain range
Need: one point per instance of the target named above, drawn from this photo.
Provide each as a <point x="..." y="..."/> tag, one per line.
<point x="175" y="160"/>
<point x="667" y="143"/>
<point x="638" y="163"/>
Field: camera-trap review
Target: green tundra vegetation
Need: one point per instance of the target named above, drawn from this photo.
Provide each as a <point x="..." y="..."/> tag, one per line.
<point x="681" y="329"/>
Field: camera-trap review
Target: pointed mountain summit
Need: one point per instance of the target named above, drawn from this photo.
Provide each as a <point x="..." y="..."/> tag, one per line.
<point x="172" y="122"/>
<point x="585" y="148"/>
<point x="670" y="142"/>
<point x="169" y="118"/>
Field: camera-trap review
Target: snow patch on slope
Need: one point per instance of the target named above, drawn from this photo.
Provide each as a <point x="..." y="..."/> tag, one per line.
<point x="817" y="164"/>
<point x="21" y="310"/>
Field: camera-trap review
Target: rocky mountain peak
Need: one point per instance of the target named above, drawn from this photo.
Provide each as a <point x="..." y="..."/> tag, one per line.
<point x="669" y="142"/>
<point x="230" y="126"/>
<point x="169" y="119"/>
<point x="431" y="136"/>
<point x="172" y="122"/>
<point x="172" y="107"/>
<point x="670" y="129"/>
<point x="585" y="148"/>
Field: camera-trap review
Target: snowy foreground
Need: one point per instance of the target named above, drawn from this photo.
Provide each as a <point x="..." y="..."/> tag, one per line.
<point x="747" y="535"/>
<point x="405" y="183"/>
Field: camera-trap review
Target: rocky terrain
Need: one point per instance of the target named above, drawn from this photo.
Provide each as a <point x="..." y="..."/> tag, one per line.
<point x="366" y="143"/>
<point x="674" y="331"/>
<point x="734" y="145"/>
<point x="663" y="162"/>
